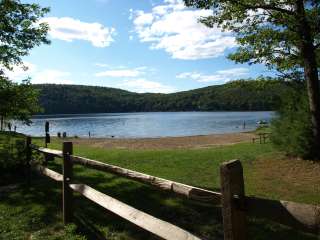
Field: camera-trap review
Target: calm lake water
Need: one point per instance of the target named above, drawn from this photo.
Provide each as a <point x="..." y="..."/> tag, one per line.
<point x="133" y="125"/>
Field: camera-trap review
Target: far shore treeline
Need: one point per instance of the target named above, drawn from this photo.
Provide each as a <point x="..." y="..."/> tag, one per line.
<point x="240" y="95"/>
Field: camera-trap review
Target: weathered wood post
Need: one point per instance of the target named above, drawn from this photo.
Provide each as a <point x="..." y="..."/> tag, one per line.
<point x="28" y="159"/>
<point x="67" y="178"/>
<point x="47" y="135"/>
<point x="47" y="157"/>
<point x="232" y="189"/>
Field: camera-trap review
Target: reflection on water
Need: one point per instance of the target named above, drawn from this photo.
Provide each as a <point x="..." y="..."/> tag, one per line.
<point x="160" y="124"/>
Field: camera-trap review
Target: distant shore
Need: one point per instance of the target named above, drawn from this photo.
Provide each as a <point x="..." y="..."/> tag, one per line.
<point x="201" y="141"/>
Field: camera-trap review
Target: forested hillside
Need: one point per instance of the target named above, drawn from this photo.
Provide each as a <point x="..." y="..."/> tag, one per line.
<point x="240" y="95"/>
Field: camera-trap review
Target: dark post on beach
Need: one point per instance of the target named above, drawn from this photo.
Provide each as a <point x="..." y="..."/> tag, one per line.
<point x="47" y="138"/>
<point x="46" y="141"/>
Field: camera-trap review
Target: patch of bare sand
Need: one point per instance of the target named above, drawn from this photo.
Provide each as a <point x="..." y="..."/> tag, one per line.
<point x="203" y="141"/>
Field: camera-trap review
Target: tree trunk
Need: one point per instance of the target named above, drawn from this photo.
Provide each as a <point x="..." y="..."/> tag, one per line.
<point x="312" y="79"/>
<point x="1" y="128"/>
<point x="311" y="75"/>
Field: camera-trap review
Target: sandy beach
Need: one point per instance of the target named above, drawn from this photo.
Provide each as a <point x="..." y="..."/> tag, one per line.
<point x="202" y="141"/>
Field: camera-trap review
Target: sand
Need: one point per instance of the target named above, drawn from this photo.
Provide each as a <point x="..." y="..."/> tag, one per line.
<point x="203" y="141"/>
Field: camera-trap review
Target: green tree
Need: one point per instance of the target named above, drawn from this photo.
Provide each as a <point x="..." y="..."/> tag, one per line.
<point x="291" y="129"/>
<point x="20" y="31"/>
<point x="283" y="34"/>
<point x="18" y="101"/>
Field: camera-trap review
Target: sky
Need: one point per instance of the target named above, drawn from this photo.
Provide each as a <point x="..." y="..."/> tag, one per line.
<point x="137" y="45"/>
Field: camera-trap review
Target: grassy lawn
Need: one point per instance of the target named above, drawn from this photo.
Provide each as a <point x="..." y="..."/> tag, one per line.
<point x="268" y="173"/>
<point x="28" y="212"/>
<point x="37" y="210"/>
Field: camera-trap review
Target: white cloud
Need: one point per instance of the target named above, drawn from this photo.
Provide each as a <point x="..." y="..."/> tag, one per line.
<point x="234" y="71"/>
<point x="133" y="79"/>
<point x="220" y="76"/>
<point x="37" y="76"/>
<point x="143" y="86"/>
<point x="120" y="73"/>
<point x="52" y="76"/>
<point x="19" y="73"/>
<point x="69" y="29"/>
<point x="123" y="71"/>
<point x="175" y="28"/>
<point x="143" y="19"/>
<point x="102" y="65"/>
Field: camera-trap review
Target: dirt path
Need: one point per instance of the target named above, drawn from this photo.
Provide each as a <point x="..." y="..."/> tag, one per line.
<point x="204" y="141"/>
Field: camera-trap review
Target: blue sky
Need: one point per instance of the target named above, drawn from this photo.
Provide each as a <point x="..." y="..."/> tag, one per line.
<point x="140" y="46"/>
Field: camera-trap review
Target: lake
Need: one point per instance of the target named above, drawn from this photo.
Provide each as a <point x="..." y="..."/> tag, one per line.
<point x="154" y="124"/>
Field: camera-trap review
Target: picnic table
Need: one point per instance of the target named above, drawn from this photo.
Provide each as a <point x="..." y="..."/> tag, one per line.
<point x="262" y="137"/>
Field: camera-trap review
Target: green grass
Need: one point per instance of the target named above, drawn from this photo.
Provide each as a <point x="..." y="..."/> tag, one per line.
<point x="12" y="148"/>
<point x="195" y="167"/>
<point x="198" y="167"/>
<point x="28" y="213"/>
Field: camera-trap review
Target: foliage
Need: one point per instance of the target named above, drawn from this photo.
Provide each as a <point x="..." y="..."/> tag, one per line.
<point x="12" y="157"/>
<point x="291" y="130"/>
<point x="268" y="32"/>
<point x="284" y="35"/>
<point x="241" y="95"/>
<point x="20" y="31"/>
<point x="18" y="101"/>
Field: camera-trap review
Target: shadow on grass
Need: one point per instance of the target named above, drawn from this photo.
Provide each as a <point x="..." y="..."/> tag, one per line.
<point x="183" y="213"/>
<point x="200" y="219"/>
<point x="12" y="157"/>
<point x="35" y="212"/>
<point x="40" y="206"/>
<point x="44" y="200"/>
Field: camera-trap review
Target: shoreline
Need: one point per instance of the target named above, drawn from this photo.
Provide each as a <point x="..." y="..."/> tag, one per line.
<point x="186" y="142"/>
<point x="36" y="116"/>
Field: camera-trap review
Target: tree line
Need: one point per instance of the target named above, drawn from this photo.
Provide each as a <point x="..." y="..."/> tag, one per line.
<point x="241" y="95"/>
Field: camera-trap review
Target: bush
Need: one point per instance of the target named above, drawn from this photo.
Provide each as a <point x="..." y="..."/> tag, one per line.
<point x="12" y="155"/>
<point x="291" y="129"/>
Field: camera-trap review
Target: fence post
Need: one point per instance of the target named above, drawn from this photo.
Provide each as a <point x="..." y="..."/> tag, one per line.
<point x="28" y="159"/>
<point x="67" y="178"/>
<point x="232" y="185"/>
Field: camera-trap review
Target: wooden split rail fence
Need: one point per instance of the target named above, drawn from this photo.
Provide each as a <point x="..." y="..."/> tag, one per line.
<point x="235" y="205"/>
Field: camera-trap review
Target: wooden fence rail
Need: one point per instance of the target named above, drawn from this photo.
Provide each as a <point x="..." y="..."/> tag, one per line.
<point x="47" y="172"/>
<point x="154" y="225"/>
<point x="184" y="190"/>
<point x="47" y="151"/>
<point x="235" y="205"/>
